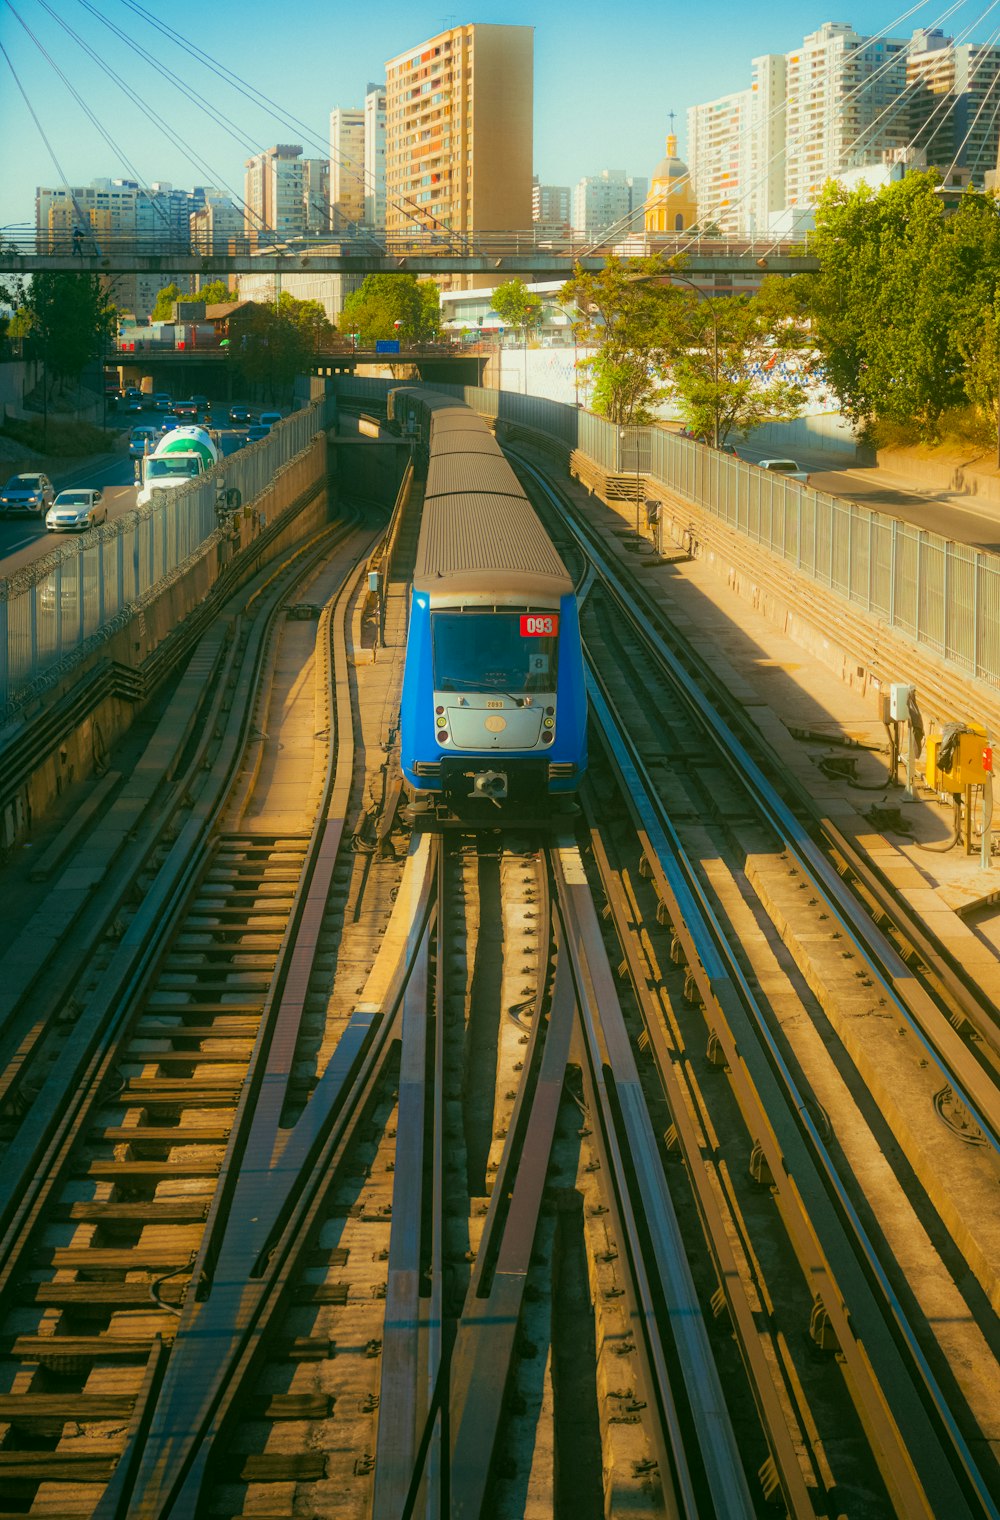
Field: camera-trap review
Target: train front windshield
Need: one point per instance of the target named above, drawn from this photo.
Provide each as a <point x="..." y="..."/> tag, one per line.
<point x="512" y="652"/>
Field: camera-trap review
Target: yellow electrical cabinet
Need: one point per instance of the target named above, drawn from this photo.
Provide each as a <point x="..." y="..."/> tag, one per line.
<point x="966" y="767"/>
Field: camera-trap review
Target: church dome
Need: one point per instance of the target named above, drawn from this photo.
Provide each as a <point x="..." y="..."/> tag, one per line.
<point x="670" y="167"/>
<point x="671" y="206"/>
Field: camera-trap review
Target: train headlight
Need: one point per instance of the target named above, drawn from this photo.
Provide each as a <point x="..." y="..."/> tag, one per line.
<point x="549" y="722"/>
<point x="548" y="736"/>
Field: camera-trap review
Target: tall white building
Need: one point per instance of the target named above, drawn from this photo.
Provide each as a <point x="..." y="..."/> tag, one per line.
<point x="843" y="96"/>
<point x="347" y="167"/>
<point x="719" y="159"/>
<point x="953" y="105"/>
<point x="374" y="186"/>
<point x="550" y="204"/>
<point x="602" y="200"/>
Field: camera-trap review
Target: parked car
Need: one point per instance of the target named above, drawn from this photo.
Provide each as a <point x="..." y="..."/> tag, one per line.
<point x="138" y="437"/>
<point x="784" y="467"/>
<point x="75" y="511"/>
<point x="256" y="431"/>
<point x="270" y="418"/>
<point x="239" y="413"/>
<point x="27" y="493"/>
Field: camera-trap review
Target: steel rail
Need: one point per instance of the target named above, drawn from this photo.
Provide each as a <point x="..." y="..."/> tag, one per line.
<point x="403" y="1384"/>
<point x="938" y="1037"/>
<point x="484" y="1352"/>
<point x="258" y="1183"/>
<point x="811" y="1198"/>
<point x="784" y="1467"/>
<point x="35" y="1159"/>
<point x="701" y="1462"/>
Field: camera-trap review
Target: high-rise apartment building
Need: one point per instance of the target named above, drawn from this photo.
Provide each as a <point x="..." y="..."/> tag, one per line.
<point x="152" y="220"/>
<point x="286" y="194"/>
<point x="607" y="199"/>
<point x="458" y="131"/>
<point x="347" y="168"/>
<point x="550" y="205"/>
<point x="375" y="107"/>
<point x="842" y="106"/>
<point x="840" y="103"/>
<point x="953" y="115"/>
<point x="216" y="224"/>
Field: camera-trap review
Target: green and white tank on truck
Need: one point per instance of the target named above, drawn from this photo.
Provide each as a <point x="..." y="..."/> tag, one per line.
<point x="183" y="455"/>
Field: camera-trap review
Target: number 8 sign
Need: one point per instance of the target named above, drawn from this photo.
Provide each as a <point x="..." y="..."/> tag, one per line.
<point x="539" y="625"/>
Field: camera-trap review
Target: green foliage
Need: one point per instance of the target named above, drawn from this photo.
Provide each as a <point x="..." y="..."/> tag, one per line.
<point x="900" y="304"/>
<point x="627" y="314"/>
<point x="68" y="317"/>
<point x="725" y="369"/>
<point x="270" y="346"/>
<point x="164" y="303"/>
<point x="516" y="305"/>
<point x="385" y="299"/>
<point x="215" y="293"/>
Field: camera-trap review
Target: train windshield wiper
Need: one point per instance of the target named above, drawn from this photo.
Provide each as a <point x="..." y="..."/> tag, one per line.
<point x="449" y="683"/>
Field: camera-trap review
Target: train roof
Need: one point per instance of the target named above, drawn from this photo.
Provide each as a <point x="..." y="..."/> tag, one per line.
<point x="465" y="441"/>
<point x="475" y="542"/>
<point x="448" y="474"/>
<point x="457" y="418"/>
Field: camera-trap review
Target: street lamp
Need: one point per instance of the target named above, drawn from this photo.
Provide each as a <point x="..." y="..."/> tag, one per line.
<point x="715" y="348"/>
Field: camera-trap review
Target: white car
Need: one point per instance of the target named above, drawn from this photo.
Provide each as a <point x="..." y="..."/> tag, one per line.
<point x="784" y="467"/>
<point x="76" y="511"/>
<point x="138" y="438"/>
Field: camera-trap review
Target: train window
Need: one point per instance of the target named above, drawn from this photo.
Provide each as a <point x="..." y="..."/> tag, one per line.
<point x="486" y="651"/>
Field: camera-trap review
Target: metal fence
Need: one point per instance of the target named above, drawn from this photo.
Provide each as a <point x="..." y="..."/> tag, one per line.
<point x="944" y="596"/>
<point x="51" y="608"/>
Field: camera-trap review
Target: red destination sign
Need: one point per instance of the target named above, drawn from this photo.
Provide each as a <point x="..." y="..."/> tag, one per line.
<point x="539" y="625"/>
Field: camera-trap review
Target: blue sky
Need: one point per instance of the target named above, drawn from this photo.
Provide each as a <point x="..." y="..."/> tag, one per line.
<point x="605" y="76"/>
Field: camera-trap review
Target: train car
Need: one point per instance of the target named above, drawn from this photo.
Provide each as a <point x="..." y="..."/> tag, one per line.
<point x="494" y="708"/>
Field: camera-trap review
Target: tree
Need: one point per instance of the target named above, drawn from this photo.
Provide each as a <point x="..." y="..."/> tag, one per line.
<point x="898" y="300"/>
<point x="67" y="317"/>
<point x="516" y="306"/>
<point x="274" y="344"/>
<point x="728" y="367"/>
<point x="213" y="294"/>
<point x="627" y="313"/>
<point x="385" y="300"/>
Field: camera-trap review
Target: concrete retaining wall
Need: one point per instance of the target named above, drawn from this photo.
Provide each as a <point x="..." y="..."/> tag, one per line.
<point x="968" y="473"/>
<point x="294" y="508"/>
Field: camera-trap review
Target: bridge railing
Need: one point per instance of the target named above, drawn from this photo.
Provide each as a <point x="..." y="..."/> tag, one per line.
<point x="54" y="608"/>
<point x="942" y="595"/>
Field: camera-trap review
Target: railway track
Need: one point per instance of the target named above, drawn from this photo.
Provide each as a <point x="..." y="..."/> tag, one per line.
<point x="520" y="1175"/>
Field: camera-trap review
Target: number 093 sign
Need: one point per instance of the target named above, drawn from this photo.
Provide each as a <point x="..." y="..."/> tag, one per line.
<point x="539" y="625"/>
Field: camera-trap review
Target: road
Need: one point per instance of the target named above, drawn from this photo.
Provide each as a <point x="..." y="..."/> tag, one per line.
<point x="963" y="519"/>
<point x="23" y="539"/>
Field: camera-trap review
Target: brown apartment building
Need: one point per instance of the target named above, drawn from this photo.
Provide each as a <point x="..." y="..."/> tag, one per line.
<point x="458" y="136"/>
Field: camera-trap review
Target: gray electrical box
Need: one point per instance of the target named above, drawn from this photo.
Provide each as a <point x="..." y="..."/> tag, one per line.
<point x="373" y="581"/>
<point x="899" y="701"/>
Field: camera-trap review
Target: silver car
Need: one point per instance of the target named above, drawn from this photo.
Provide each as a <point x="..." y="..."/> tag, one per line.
<point x="76" y="511"/>
<point x="27" y="493"/>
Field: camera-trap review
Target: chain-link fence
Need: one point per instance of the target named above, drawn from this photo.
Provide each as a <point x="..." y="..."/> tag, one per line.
<point x="943" y="595"/>
<point x="52" y="607"/>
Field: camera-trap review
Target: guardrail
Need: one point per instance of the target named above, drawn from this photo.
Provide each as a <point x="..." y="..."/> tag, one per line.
<point x="81" y="592"/>
<point x="942" y="595"/>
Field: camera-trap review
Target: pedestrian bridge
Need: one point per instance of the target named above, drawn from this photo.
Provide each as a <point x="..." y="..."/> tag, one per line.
<point x="496" y="256"/>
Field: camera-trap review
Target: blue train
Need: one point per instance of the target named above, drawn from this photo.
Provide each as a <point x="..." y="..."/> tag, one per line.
<point x="494" y="706"/>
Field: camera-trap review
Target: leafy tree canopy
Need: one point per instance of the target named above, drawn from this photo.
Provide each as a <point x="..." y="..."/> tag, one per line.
<point x="385" y="299"/>
<point x="68" y="316"/>
<point x="274" y="344"/>
<point x="516" y="305"/>
<point x="625" y="310"/>
<point x="213" y="294"/>
<point x="899" y="303"/>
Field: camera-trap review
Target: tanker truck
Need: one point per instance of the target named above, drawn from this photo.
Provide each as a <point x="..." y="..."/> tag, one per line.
<point x="181" y="456"/>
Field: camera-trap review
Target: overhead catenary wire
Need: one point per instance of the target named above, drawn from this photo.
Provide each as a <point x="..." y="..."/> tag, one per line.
<point x="625" y="223"/>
